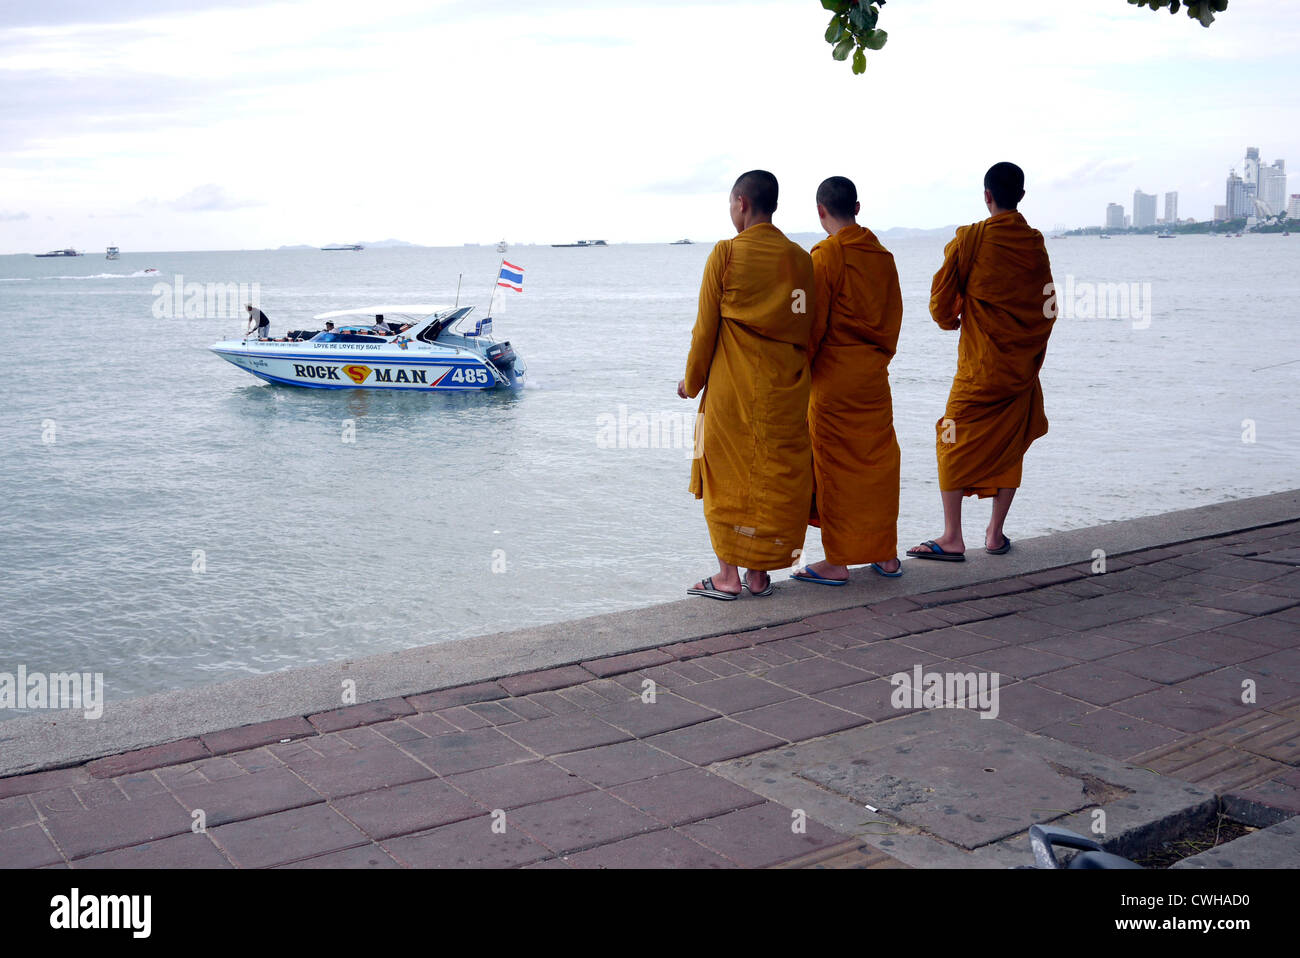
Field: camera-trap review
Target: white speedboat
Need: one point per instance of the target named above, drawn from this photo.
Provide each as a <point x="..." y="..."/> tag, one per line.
<point x="384" y="347"/>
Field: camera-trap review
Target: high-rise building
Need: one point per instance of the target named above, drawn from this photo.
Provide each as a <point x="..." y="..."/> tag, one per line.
<point x="1239" y="203"/>
<point x="1114" y="216"/>
<point x="1171" y="207"/>
<point x="1128" y="221"/>
<point x="1220" y="213"/>
<point x="1250" y="178"/>
<point x="1272" y="186"/>
<point x="1144" y="209"/>
<point x="1293" y="208"/>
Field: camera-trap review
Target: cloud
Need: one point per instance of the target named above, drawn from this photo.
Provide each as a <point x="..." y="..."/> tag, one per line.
<point x="1092" y="171"/>
<point x="7" y="216"/>
<point x="714" y="175"/>
<point x="203" y="199"/>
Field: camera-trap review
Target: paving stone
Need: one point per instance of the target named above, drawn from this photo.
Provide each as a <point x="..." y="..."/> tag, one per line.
<point x="616" y="664"/>
<point x="912" y="623"/>
<point x="615" y="764"/>
<point x="584" y="698"/>
<point x="367" y="713"/>
<point x="287" y="836"/>
<point x="100" y="794"/>
<point x="1094" y="644"/>
<point x="460" y="695"/>
<point x="1220" y="648"/>
<point x="468" y="844"/>
<point x="303" y="750"/>
<point x="642" y="719"/>
<point x="1095" y="682"/>
<point x="248" y="796"/>
<point x="1018" y="629"/>
<point x="255" y="760"/>
<point x="358" y="737"/>
<point x="1267" y="734"/>
<point x="426" y="724"/>
<point x="251" y="736"/>
<point x="118" y="825"/>
<point x="772" y="633"/>
<point x="1262" y="805"/>
<point x="665" y="848"/>
<point x="398" y="732"/>
<point x="1251" y="603"/>
<point x="1029" y="706"/>
<point x="893" y="606"/>
<point x="1102" y="610"/>
<point x="688" y="796"/>
<point x="1228" y="684"/>
<point x="719" y="667"/>
<point x="495" y="712"/>
<point x="565" y="733"/>
<point x="580" y="821"/>
<point x="952" y="641"/>
<point x="834" y="620"/>
<point x="466" y="751"/>
<point x="212" y="769"/>
<point x="1017" y="661"/>
<point x="55" y="801"/>
<point x="1178" y="708"/>
<point x="1195" y="618"/>
<point x="1053" y="576"/>
<point x="190" y="850"/>
<point x="745" y="661"/>
<point x="363" y="856"/>
<point x="795" y="649"/>
<point x="526" y="708"/>
<point x="735" y="693"/>
<point x="713" y="741"/>
<point x="524" y="783"/>
<point x="710" y="646"/>
<point x="464" y="719"/>
<point x="1110" y="733"/>
<point x="1159" y="664"/>
<point x="768" y="656"/>
<point x="362" y="770"/>
<point x="157" y="756"/>
<point x="546" y="680"/>
<point x="960" y="614"/>
<point x="43" y="781"/>
<point x="886" y="658"/>
<point x="17" y="810"/>
<point x="760" y="836"/>
<point x="27" y="846"/>
<point x="405" y="809"/>
<point x="816" y="675"/>
<point x="872" y="700"/>
<point x="554" y="703"/>
<point x="799" y="719"/>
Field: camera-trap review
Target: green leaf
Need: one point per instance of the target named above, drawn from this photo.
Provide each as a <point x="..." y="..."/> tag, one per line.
<point x="842" y="48"/>
<point x="859" y="61"/>
<point x="837" y="6"/>
<point x="862" y="18"/>
<point x="834" y="31"/>
<point x="876" y="40"/>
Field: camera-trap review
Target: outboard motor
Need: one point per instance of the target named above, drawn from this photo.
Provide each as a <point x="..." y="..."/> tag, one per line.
<point x="502" y="357"/>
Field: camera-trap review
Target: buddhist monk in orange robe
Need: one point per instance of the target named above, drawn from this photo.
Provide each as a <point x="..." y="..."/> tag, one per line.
<point x="856" y="320"/>
<point x="749" y="357"/>
<point x="995" y="285"/>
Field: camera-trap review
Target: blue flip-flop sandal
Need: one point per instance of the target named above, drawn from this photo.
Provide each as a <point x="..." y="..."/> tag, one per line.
<point x="808" y="575"/>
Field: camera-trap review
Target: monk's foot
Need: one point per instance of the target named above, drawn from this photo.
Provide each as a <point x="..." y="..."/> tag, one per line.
<point x="722" y="583"/>
<point x="996" y="543"/>
<point x="829" y="570"/>
<point x="758" y="583"/>
<point x="952" y="545"/>
<point x="890" y="565"/>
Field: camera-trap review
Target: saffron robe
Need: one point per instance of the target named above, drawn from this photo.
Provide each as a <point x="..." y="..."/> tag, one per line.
<point x="858" y="314"/>
<point x="749" y="355"/>
<point x="996" y="286"/>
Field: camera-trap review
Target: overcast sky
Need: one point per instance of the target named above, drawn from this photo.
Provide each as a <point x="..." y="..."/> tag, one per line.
<point x="165" y="125"/>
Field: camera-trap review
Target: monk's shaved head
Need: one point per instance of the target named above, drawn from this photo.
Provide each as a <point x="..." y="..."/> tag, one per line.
<point x="1006" y="182"/>
<point x="759" y="187"/>
<point x="839" y="196"/>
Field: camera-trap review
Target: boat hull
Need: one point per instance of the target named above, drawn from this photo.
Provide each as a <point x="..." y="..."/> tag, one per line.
<point x="385" y="367"/>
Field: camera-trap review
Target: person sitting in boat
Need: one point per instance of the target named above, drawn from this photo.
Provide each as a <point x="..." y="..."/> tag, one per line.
<point x="257" y="321"/>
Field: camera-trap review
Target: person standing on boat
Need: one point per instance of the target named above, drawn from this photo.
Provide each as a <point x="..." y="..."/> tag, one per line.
<point x="855" y="326"/>
<point x="995" y="285"/>
<point x="749" y="347"/>
<point x="257" y="321"/>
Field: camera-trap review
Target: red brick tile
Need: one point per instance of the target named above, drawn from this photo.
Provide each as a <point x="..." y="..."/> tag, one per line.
<point x="580" y="821"/>
<point x="118" y="825"/>
<point x="468" y="844"/>
<point x="524" y="783"/>
<point x="714" y="741"/>
<point x="363" y="856"/>
<point x="287" y="836"/>
<point x="27" y="846"/>
<point x="190" y="850"/>
<point x="362" y="770"/>
<point x="252" y="736"/>
<point x="681" y="797"/>
<point x="665" y="848"/>
<point x="367" y="713"/>
<point x="156" y="756"/>
<point x="546" y="680"/>
<point x="248" y="796"/>
<point x="616" y="664"/>
<point x="43" y="781"/>
<point x="615" y="764"/>
<point x="405" y="809"/>
<point x="460" y="695"/>
<point x="760" y="836"/>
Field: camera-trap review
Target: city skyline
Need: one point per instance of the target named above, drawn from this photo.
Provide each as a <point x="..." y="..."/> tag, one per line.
<point x="1267" y="183"/>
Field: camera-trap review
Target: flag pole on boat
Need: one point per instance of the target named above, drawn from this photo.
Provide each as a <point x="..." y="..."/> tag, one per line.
<point x="459" y="276"/>
<point x="496" y="281"/>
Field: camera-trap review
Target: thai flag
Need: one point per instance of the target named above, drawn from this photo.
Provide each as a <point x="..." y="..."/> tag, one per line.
<point x="512" y="277"/>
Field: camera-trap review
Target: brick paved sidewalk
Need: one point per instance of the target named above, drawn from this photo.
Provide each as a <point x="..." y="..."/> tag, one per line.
<point x="569" y="767"/>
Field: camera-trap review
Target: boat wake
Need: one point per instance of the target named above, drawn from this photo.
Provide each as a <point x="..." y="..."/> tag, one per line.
<point x="28" y="279"/>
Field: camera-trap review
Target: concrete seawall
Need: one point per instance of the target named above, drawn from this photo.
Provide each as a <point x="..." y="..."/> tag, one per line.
<point x="57" y="738"/>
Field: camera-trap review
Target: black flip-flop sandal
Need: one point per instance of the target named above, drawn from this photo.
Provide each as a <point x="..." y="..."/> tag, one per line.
<point x="744" y="584"/>
<point x="1002" y="549"/>
<point x="712" y="592"/>
<point x="936" y="553"/>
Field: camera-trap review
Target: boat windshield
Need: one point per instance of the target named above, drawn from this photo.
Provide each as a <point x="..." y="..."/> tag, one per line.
<point x="434" y="330"/>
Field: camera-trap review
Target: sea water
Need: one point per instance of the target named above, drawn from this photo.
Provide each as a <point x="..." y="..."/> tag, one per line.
<point x="169" y="520"/>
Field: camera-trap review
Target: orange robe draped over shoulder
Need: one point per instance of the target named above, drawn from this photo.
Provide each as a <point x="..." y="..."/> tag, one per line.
<point x="996" y="286"/>
<point x="749" y="354"/>
<point x="851" y="414"/>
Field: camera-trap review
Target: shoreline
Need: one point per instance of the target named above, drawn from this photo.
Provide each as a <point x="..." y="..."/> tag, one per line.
<point x="52" y="740"/>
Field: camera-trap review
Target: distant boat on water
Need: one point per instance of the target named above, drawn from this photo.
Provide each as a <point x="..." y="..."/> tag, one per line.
<point x="62" y="252"/>
<point x="681" y="242"/>
<point x="501" y="246"/>
<point x="1164" y="234"/>
<point x="350" y="247"/>
<point x="112" y="253"/>
<point x="1104" y="235"/>
<point x="580" y="243"/>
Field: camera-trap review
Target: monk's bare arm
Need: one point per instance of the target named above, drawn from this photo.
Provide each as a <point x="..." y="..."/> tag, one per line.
<point x="704" y="338"/>
<point x="823" y="294"/>
<point x="945" y="292"/>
